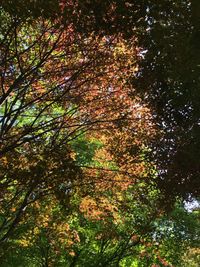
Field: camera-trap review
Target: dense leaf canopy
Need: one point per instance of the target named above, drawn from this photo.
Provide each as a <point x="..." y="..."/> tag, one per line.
<point x="99" y="132"/>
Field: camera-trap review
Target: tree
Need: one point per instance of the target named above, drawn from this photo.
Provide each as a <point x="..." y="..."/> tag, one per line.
<point x="167" y="36"/>
<point x="169" y="76"/>
<point x="55" y="85"/>
<point x="83" y="159"/>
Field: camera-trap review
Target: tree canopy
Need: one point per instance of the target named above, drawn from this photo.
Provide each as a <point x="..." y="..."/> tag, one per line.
<point x="99" y="133"/>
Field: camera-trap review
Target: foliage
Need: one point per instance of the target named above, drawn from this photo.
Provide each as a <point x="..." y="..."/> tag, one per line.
<point x="87" y="149"/>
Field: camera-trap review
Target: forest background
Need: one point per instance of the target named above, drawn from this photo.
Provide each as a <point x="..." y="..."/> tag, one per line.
<point x="99" y="133"/>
